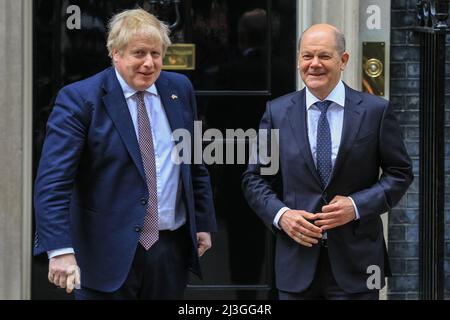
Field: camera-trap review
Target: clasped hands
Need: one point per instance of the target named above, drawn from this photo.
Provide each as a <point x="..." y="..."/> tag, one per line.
<point x="307" y="228"/>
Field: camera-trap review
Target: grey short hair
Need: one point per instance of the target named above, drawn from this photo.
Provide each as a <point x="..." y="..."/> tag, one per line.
<point x="136" y="22"/>
<point x="339" y="40"/>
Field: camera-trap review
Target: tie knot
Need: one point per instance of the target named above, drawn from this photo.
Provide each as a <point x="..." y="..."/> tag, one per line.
<point x="323" y="105"/>
<point x="140" y="95"/>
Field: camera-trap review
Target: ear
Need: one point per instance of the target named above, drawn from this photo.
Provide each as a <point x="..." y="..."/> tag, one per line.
<point x="115" y="54"/>
<point x="344" y="59"/>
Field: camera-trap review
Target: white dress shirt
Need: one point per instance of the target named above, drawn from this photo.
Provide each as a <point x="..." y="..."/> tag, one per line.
<point x="335" y="116"/>
<point x="171" y="208"/>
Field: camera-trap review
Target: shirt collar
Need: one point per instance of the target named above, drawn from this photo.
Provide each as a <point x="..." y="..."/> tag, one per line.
<point x="337" y="95"/>
<point x="129" y="91"/>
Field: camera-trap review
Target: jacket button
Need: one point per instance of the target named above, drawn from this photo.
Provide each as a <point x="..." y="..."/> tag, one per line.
<point x="137" y="228"/>
<point x="143" y="201"/>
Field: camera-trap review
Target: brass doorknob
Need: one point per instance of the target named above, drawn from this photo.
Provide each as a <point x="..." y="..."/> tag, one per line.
<point x="373" y="68"/>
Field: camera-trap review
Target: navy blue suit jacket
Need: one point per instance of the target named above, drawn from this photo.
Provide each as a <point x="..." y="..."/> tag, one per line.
<point x="90" y="190"/>
<point x="371" y="140"/>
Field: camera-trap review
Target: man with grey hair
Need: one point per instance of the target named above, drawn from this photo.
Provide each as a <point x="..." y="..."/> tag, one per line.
<point x="108" y="199"/>
<point x="334" y="141"/>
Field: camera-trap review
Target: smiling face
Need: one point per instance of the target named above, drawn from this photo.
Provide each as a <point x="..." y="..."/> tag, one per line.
<point x="319" y="61"/>
<point x="139" y="63"/>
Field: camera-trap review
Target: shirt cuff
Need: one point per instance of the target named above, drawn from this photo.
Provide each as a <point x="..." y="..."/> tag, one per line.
<point x="278" y="216"/>
<point x="59" y="252"/>
<point x="356" y="209"/>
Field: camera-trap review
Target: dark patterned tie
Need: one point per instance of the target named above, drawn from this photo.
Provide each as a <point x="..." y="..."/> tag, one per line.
<point x="323" y="151"/>
<point x="150" y="233"/>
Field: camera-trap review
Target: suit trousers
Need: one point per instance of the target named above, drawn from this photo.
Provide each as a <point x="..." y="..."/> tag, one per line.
<point x="325" y="287"/>
<point x="159" y="273"/>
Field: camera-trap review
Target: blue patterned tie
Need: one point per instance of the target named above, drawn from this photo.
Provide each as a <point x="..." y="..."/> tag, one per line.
<point x="323" y="151"/>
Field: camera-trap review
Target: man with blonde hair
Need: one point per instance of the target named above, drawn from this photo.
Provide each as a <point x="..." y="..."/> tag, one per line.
<point x="109" y="200"/>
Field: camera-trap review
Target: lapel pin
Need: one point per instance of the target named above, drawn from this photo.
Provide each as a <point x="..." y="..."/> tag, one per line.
<point x="174" y="97"/>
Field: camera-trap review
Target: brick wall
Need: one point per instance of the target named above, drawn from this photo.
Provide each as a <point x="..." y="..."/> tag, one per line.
<point x="404" y="219"/>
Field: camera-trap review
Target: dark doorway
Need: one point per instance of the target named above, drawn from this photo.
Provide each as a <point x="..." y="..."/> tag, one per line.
<point x="245" y="56"/>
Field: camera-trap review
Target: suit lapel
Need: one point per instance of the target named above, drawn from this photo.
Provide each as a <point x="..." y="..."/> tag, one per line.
<point x="171" y="102"/>
<point x="117" y="109"/>
<point x="296" y="115"/>
<point x="353" y="116"/>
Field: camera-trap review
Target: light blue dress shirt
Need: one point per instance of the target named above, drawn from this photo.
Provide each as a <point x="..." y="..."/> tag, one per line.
<point x="171" y="208"/>
<point x="335" y="116"/>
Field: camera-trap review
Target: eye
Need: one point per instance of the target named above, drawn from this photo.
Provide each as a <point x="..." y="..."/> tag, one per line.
<point x="307" y="57"/>
<point x="156" y="54"/>
<point x="139" y="53"/>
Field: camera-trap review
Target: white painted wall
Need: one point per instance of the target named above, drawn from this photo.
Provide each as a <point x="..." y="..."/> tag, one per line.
<point x="15" y="148"/>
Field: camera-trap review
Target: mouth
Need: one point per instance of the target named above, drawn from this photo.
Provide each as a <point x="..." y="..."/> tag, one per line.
<point x="146" y="74"/>
<point x="316" y="74"/>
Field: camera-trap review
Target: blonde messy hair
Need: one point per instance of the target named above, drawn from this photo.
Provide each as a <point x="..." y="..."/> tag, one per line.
<point x="136" y="22"/>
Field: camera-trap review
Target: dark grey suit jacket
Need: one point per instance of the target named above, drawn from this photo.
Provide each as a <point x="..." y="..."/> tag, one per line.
<point x="371" y="140"/>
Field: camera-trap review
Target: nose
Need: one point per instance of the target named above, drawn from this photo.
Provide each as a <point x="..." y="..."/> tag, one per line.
<point x="148" y="62"/>
<point x="315" y="62"/>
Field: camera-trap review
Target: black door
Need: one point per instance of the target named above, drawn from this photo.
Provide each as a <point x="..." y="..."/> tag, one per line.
<point x="245" y="55"/>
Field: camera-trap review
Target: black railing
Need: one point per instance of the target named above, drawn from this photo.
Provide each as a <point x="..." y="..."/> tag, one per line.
<point x="432" y="28"/>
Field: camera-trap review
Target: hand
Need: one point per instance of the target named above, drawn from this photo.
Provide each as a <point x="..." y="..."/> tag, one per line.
<point x="204" y="242"/>
<point x="295" y="224"/>
<point x="64" y="272"/>
<point x="338" y="212"/>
